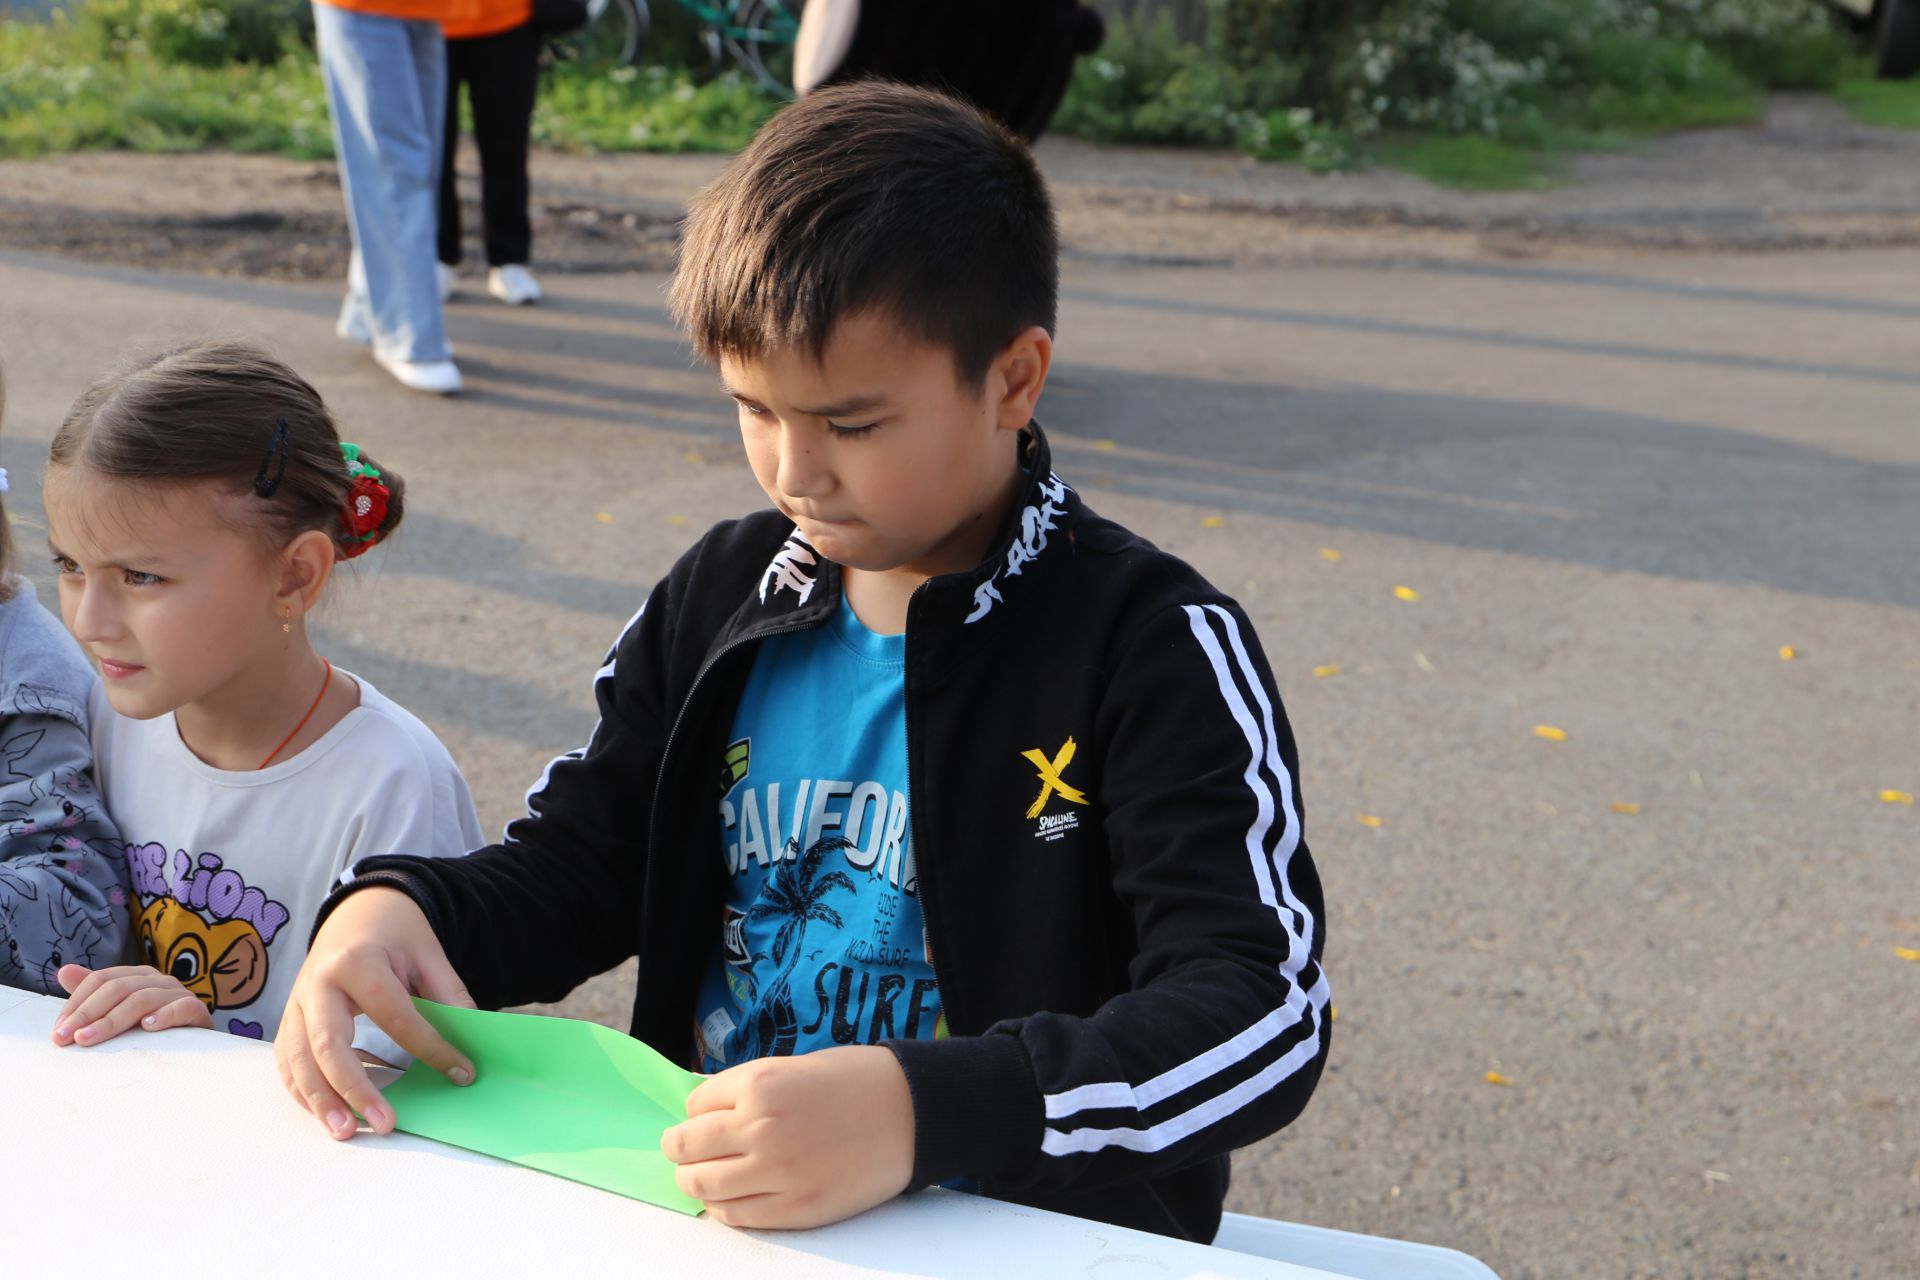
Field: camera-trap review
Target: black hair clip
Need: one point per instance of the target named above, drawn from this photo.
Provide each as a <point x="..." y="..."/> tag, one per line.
<point x="263" y="484"/>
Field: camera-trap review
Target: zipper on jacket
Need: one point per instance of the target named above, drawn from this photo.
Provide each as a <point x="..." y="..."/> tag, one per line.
<point x="693" y="690"/>
<point x="913" y="809"/>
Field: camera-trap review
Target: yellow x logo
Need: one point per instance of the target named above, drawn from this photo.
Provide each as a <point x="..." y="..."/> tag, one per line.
<point x="1050" y="780"/>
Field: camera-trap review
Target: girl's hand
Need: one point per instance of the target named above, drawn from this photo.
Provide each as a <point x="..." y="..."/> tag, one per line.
<point x="104" y="1002"/>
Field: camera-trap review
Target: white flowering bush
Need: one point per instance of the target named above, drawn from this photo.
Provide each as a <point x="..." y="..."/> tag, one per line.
<point x="1315" y="79"/>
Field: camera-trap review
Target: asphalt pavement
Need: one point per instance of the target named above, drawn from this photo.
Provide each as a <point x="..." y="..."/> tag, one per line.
<point x="1627" y="998"/>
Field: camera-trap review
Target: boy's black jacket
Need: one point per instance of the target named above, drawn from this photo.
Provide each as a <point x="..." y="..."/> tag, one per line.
<point x="1124" y="921"/>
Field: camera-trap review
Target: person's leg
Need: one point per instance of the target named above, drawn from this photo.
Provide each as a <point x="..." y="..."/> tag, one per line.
<point x="449" y="148"/>
<point x="387" y="102"/>
<point x="505" y="76"/>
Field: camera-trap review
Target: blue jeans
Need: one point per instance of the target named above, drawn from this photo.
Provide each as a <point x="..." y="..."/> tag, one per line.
<point x="387" y="89"/>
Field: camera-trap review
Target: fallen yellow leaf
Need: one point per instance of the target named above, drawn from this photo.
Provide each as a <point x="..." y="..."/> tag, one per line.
<point x="603" y="517"/>
<point x="1333" y="1013"/>
<point x="1626" y="807"/>
<point x="1788" y="653"/>
<point x="1494" y="1077"/>
<point x="1906" y="953"/>
<point x="1550" y="733"/>
<point x="1368" y="820"/>
<point x="1406" y="593"/>
<point x="1321" y="673"/>
<point x="693" y="456"/>
<point x="1105" y="446"/>
<point x="1891" y="796"/>
<point x="1328" y="553"/>
<point x="678" y="521"/>
<point x="1212" y="522"/>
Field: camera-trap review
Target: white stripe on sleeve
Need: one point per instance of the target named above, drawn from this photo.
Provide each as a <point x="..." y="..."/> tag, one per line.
<point x="1300" y="1007"/>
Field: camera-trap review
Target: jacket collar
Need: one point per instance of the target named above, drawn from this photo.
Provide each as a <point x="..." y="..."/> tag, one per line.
<point x="799" y="589"/>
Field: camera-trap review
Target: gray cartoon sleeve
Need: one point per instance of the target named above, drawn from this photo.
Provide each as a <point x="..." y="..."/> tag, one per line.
<point x="63" y="870"/>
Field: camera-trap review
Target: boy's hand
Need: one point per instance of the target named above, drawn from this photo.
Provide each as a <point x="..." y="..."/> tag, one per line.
<point x="374" y="952"/>
<point x="797" y="1142"/>
<point x="101" y="1003"/>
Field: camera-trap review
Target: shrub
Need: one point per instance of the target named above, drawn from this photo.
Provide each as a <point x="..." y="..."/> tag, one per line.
<point x="196" y="33"/>
<point x="1315" y="79"/>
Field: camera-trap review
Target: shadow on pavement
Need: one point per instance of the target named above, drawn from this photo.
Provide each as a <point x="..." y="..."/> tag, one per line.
<point x="1610" y="490"/>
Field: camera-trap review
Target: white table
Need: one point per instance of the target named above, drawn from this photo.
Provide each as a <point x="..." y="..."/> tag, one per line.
<point x="178" y="1154"/>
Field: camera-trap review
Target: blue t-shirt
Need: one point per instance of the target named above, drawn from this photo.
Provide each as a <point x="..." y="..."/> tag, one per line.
<point x="822" y="941"/>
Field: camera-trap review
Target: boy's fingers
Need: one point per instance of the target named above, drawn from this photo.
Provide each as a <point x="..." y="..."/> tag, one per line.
<point x="329" y="1038"/>
<point x="762" y="1210"/>
<point x="440" y="983"/>
<point x="717" y="1093"/>
<point x="711" y="1181"/>
<point x="303" y="1078"/>
<point x="391" y="1009"/>
<point x="712" y="1135"/>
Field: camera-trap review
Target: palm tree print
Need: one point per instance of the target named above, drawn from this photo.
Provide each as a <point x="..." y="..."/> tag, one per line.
<point x="797" y="893"/>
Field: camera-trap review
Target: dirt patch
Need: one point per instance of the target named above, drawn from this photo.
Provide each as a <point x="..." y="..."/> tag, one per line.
<point x="1807" y="177"/>
<point x="264" y="217"/>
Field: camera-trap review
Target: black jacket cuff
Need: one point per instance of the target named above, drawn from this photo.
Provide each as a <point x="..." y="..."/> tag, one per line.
<point x="376" y="876"/>
<point x="976" y="1107"/>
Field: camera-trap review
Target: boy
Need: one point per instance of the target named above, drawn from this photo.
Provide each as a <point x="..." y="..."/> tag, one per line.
<point x="1006" y="886"/>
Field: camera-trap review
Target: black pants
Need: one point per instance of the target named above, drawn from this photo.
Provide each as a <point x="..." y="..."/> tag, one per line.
<point x="501" y="72"/>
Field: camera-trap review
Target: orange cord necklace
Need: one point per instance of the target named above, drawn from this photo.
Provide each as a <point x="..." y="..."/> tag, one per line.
<point x="324" y="685"/>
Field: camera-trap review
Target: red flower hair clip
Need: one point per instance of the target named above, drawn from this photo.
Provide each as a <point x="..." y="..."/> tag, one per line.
<point x="366" y="504"/>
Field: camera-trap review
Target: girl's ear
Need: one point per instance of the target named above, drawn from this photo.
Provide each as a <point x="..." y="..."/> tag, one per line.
<point x="1018" y="376"/>
<point x="306" y="564"/>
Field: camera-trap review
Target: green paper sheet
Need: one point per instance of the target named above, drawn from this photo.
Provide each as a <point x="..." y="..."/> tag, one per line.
<point x="570" y="1098"/>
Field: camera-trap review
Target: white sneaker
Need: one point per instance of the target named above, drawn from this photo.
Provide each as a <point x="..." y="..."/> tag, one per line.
<point x="449" y="279"/>
<point x="352" y="324"/>
<point x="439" y="377"/>
<point x="513" y="284"/>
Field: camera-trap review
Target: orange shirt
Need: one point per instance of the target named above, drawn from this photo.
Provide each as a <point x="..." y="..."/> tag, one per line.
<point x="470" y="18"/>
<point x="460" y="19"/>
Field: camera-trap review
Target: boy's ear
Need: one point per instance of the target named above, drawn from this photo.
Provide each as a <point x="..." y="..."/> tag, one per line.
<point x="1018" y="376"/>
<point x="306" y="564"/>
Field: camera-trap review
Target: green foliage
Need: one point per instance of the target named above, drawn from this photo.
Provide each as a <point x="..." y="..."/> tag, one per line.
<point x="62" y="90"/>
<point x="1470" y="162"/>
<point x="53" y="101"/>
<point x="195" y="33"/>
<point x="648" y="109"/>
<point x="1329" y="82"/>
<point x="1892" y="103"/>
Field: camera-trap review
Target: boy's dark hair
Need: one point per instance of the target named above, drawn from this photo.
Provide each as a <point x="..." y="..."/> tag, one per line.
<point x="871" y="195"/>
<point x="214" y="411"/>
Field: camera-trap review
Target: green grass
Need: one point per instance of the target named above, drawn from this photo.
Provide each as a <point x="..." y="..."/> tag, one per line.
<point x="97" y="83"/>
<point x="1893" y="103"/>
<point x="58" y="94"/>
<point x="1470" y="162"/>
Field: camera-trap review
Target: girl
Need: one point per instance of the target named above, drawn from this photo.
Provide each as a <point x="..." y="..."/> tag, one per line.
<point x="63" y="880"/>
<point x="196" y="505"/>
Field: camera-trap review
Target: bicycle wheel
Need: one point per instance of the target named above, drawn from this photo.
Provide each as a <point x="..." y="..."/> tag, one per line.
<point x="761" y="37"/>
<point x="613" y="36"/>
